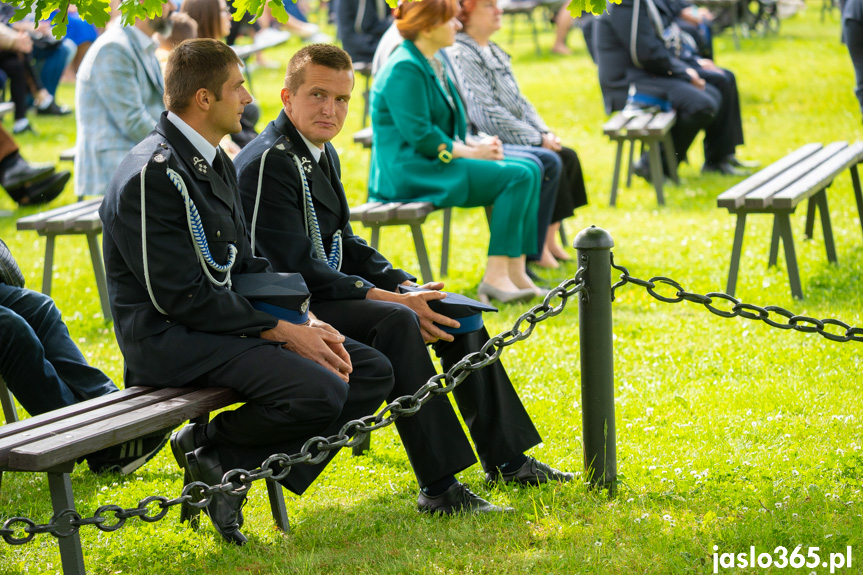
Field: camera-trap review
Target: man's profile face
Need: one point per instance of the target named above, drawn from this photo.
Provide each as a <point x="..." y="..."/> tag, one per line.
<point x="225" y="113"/>
<point x="320" y="105"/>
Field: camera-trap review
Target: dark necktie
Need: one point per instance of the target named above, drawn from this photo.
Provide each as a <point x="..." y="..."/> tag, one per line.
<point x="219" y="165"/>
<point x="324" y="164"/>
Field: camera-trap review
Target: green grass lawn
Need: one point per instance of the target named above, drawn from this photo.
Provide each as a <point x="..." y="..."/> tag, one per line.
<point x="730" y="433"/>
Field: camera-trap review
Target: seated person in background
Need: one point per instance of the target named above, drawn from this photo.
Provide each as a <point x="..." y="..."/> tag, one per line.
<point x="183" y="27"/>
<point x="44" y="369"/>
<point x="355" y="289"/>
<point x="27" y="184"/>
<point x="420" y="151"/>
<point x="179" y="323"/>
<point x="361" y="23"/>
<point x="496" y="106"/>
<point x="852" y="31"/>
<point x="633" y="52"/>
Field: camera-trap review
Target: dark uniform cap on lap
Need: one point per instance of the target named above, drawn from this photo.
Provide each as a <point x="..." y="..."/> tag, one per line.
<point x="283" y="295"/>
<point x="466" y="311"/>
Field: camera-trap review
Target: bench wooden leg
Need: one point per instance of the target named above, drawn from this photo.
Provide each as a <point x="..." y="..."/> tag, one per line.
<point x="49" y="264"/>
<point x="810" y="217"/>
<point x="783" y="222"/>
<point x="735" y="254"/>
<point x="376" y="236"/>
<point x="826" y="226"/>
<point x="670" y="158"/>
<point x="656" y="173"/>
<point x="615" y="179"/>
<point x="631" y="163"/>
<point x="422" y="254"/>
<point x="774" y="245"/>
<point x="99" y="272"/>
<point x="858" y="194"/>
<point x="277" y="505"/>
<point x="444" y="253"/>
<point x="71" y="555"/>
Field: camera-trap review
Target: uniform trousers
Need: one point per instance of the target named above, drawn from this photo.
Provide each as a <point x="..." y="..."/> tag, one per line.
<point x="433" y="438"/>
<point x="725" y="132"/>
<point x="42" y="366"/>
<point x="290" y="399"/>
<point x="511" y="187"/>
<point x="853" y="34"/>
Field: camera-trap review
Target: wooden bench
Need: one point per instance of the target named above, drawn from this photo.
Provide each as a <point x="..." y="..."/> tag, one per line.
<point x="522" y="7"/>
<point x="650" y="130"/>
<point x="52" y="442"/>
<point x="804" y="174"/>
<point x="266" y="38"/>
<point x="81" y="218"/>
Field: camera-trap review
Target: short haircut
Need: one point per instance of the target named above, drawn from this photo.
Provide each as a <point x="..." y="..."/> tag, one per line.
<point x="325" y="55"/>
<point x="183" y="28"/>
<point x="415" y="17"/>
<point x="196" y="64"/>
<point x="208" y="15"/>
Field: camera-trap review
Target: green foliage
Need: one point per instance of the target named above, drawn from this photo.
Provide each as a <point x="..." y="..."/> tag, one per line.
<point x="576" y="7"/>
<point x="729" y="432"/>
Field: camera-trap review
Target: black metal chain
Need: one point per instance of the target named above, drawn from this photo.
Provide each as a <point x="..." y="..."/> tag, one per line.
<point x="800" y="323"/>
<point x="238" y="481"/>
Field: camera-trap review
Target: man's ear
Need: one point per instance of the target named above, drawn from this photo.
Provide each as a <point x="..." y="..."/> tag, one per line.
<point x="203" y="99"/>
<point x="286" y="99"/>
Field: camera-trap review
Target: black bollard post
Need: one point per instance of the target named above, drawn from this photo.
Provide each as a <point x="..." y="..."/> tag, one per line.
<point x="597" y="358"/>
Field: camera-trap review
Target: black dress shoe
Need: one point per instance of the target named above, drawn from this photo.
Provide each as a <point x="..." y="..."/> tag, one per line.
<point x="724" y="168"/>
<point x="532" y="472"/>
<point x="223" y="510"/>
<point x="457" y="499"/>
<point x="738" y="163"/>
<point x="43" y="191"/>
<point x="20" y="173"/>
<point x="54" y="110"/>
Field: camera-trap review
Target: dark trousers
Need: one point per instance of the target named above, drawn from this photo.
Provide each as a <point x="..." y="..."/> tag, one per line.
<point x="550" y="165"/>
<point x="21" y="80"/>
<point x="42" y="366"/>
<point x="725" y="132"/>
<point x="433" y="438"/>
<point x="853" y="32"/>
<point x="290" y="399"/>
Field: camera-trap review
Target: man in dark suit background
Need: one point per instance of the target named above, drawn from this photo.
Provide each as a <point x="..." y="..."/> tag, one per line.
<point x="355" y="289"/>
<point x="178" y="322"/>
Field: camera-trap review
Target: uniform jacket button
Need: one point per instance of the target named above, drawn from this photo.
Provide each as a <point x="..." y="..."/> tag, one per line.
<point x="358" y="284"/>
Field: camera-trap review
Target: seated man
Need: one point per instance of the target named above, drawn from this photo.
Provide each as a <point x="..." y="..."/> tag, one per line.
<point x="176" y="318"/>
<point x="27" y="184"/>
<point x="357" y="291"/>
<point x="44" y="369"/>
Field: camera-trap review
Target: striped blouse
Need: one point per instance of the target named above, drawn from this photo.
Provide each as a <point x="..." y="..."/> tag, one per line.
<point x="494" y="103"/>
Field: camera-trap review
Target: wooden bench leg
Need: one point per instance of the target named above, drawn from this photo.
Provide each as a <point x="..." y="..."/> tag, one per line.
<point x="858" y="194"/>
<point x="99" y="272"/>
<point x="631" y="163"/>
<point x="277" y="505"/>
<point x="670" y="158"/>
<point x="49" y="264"/>
<point x="810" y="217"/>
<point x="444" y="253"/>
<point x="376" y="236"/>
<point x="615" y="180"/>
<point x="735" y="254"/>
<point x="71" y="555"/>
<point x="783" y="222"/>
<point x="422" y="254"/>
<point x="656" y="173"/>
<point x="826" y="226"/>
<point x="774" y="245"/>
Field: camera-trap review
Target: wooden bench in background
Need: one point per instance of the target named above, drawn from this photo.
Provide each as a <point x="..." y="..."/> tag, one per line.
<point x="53" y="441"/>
<point x="778" y="189"/>
<point x="650" y="130"/>
<point x="81" y="218"/>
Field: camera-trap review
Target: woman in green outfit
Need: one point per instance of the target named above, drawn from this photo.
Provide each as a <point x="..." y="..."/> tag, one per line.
<point x="420" y="150"/>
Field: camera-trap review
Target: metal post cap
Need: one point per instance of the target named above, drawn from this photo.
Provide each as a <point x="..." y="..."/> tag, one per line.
<point x="593" y="238"/>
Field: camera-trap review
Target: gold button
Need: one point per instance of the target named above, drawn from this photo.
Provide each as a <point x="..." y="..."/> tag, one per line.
<point x="218" y="233"/>
<point x="358" y="283"/>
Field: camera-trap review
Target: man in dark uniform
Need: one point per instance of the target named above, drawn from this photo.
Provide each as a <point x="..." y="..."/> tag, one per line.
<point x="178" y="322"/>
<point x="631" y="50"/>
<point x="355" y="289"/>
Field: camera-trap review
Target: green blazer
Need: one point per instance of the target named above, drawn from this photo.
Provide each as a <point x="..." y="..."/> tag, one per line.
<point x="412" y="117"/>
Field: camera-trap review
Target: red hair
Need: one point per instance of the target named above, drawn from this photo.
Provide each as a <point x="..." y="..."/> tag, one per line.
<point x="414" y="17"/>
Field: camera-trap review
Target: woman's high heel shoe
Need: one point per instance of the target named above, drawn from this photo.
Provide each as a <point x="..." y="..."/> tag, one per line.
<point x="486" y="291"/>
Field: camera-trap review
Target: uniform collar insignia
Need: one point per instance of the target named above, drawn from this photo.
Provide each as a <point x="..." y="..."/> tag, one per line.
<point x="307" y="165"/>
<point x="200" y="165"/>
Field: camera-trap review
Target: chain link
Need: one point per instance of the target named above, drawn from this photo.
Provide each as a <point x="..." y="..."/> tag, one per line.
<point x="712" y="300"/>
<point x="238" y="481"/>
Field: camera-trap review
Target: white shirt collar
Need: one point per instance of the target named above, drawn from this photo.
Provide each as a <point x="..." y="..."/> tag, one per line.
<point x="315" y="151"/>
<point x="200" y="142"/>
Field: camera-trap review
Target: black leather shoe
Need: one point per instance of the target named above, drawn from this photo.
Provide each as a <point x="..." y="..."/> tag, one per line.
<point x="21" y="173"/>
<point x="724" y="168"/>
<point x="223" y="510"/>
<point x="532" y="472"/>
<point x="458" y="499"/>
<point x="54" y="110"/>
<point x="738" y="163"/>
<point x="42" y="191"/>
<point x="642" y="170"/>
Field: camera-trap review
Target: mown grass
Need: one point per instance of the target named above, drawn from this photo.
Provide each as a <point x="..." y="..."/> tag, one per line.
<point x="729" y="433"/>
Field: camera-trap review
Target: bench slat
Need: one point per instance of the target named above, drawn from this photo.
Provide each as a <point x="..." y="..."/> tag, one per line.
<point x="33" y="222"/>
<point x="381" y="213"/>
<point x="614" y="125"/>
<point x="637" y="126"/>
<point x="83" y="219"/>
<point x="60" y="448"/>
<point x="661" y="123"/>
<point x="358" y="212"/>
<point x="819" y="178"/>
<point x="414" y="210"/>
<point x="364" y="137"/>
